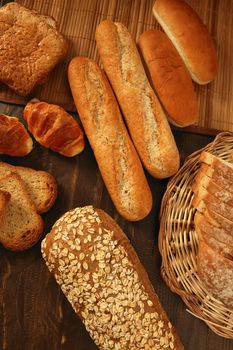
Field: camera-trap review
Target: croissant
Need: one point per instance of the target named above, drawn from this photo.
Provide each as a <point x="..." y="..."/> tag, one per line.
<point x="14" y="138"/>
<point x="54" y="128"/>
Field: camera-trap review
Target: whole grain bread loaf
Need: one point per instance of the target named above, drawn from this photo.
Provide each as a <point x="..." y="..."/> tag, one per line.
<point x="107" y="286"/>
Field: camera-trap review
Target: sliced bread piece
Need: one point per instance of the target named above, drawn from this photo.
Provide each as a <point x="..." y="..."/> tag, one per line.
<point x="217" y="237"/>
<point x="21" y="226"/>
<point x="204" y="199"/>
<point x="40" y="185"/>
<point x="4" y="200"/>
<point x="205" y="186"/>
<point x="216" y="272"/>
<point x="223" y="168"/>
<point x="217" y="178"/>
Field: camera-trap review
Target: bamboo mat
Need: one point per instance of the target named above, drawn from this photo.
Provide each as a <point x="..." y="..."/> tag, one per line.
<point x="78" y="19"/>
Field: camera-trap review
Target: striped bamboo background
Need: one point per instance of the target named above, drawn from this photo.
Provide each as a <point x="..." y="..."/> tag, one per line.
<point x="78" y="19"/>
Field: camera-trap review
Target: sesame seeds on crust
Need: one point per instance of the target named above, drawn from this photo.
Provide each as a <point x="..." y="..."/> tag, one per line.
<point x="102" y="285"/>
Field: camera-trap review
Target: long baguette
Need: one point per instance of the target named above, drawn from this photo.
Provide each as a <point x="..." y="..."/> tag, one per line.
<point x="107" y="286"/>
<point x="141" y="109"/>
<point x="116" y="156"/>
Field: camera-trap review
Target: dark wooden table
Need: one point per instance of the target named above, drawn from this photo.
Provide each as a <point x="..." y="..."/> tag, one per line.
<point x="34" y="314"/>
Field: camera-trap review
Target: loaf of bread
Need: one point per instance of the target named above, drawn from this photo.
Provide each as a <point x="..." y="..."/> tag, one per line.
<point x="40" y="185"/>
<point x="103" y="279"/>
<point x="14" y="138"/>
<point x="21" y="226"/>
<point x="170" y="78"/>
<point x="30" y="47"/>
<point x="116" y="156"/>
<point x="54" y="128"/>
<point x="146" y="120"/>
<point x="4" y="200"/>
<point x="190" y="36"/>
<point x="214" y="226"/>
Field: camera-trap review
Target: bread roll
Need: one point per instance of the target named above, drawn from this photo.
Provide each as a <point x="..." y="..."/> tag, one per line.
<point x="190" y="37"/>
<point x="141" y="109"/>
<point x="54" y="128"/>
<point x="117" y="159"/>
<point x="103" y="279"/>
<point x="170" y="77"/>
<point x="14" y="138"/>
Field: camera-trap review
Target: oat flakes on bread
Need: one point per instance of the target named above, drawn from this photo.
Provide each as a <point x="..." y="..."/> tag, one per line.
<point x="21" y="226"/>
<point x="30" y="47"/>
<point x="14" y="138"/>
<point x="4" y="200"/>
<point x="107" y="286"/>
<point x="54" y="128"/>
<point x="40" y="185"/>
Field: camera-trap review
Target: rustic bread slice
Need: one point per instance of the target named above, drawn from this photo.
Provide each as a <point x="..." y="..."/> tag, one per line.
<point x="21" y="226"/>
<point x="220" y="166"/>
<point x="4" y="200"/>
<point x="40" y="185"/>
<point x="211" y="190"/>
<point x="205" y="199"/>
<point x="217" y="237"/>
<point x="216" y="272"/>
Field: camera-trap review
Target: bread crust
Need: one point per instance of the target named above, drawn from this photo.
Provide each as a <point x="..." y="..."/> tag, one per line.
<point x="190" y="36"/>
<point x="99" y="229"/>
<point x="4" y="200"/>
<point x="170" y="78"/>
<point x="145" y="118"/>
<point x="116" y="156"/>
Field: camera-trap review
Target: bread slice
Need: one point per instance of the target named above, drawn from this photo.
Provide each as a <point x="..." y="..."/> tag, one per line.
<point x="21" y="226"/>
<point x="217" y="237"/>
<point x="204" y="199"/>
<point x="220" y="166"/>
<point x="206" y="184"/>
<point x="30" y="47"/>
<point x="219" y="180"/>
<point x="40" y="185"/>
<point x="4" y="200"/>
<point x="216" y="272"/>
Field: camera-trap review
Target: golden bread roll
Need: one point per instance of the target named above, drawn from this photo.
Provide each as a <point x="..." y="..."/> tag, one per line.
<point x="144" y="115"/>
<point x="14" y="138"/>
<point x="190" y="36"/>
<point x="170" y="78"/>
<point x="101" y="276"/>
<point x="116" y="156"/>
<point x="54" y="128"/>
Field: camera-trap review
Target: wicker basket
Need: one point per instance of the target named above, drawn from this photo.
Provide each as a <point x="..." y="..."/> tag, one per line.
<point x="178" y="242"/>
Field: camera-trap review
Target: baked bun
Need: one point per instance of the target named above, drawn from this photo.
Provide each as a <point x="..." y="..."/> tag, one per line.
<point x="190" y="37"/>
<point x="54" y="128"/>
<point x="170" y="77"/>
<point x="14" y="138"/>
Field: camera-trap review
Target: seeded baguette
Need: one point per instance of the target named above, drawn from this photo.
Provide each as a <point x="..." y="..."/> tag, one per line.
<point x="103" y="279"/>
<point x="144" y="115"/>
<point x="116" y="156"/>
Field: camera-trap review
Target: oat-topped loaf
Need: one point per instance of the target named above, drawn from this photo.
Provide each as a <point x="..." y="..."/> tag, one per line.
<point x="30" y="47"/>
<point x="107" y="286"/>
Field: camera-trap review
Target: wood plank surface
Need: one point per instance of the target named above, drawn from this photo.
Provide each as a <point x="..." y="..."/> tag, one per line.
<point x="78" y="19"/>
<point x="34" y="313"/>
